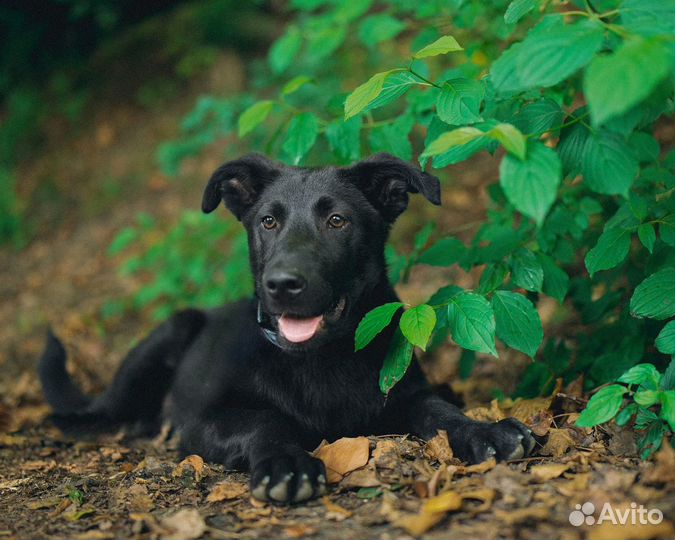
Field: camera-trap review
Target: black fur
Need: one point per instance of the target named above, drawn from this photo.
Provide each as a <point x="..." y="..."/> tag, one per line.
<point x="242" y="394"/>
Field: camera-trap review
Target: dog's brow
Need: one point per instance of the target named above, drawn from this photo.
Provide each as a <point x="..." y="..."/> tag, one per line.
<point x="324" y="205"/>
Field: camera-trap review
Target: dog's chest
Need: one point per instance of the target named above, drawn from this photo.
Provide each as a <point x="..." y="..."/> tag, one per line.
<point x="332" y="397"/>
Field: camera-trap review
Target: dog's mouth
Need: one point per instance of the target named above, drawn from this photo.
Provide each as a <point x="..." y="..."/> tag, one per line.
<point x="297" y="329"/>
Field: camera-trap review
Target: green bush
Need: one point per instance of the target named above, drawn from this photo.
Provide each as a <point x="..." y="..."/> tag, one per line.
<point x="583" y="210"/>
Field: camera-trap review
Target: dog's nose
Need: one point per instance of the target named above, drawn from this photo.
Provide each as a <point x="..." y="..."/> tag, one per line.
<point x="281" y="283"/>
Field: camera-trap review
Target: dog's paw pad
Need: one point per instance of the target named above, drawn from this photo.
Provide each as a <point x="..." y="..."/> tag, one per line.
<point x="279" y="491"/>
<point x="259" y="491"/>
<point x="288" y="478"/>
<point x="305" y="490"/>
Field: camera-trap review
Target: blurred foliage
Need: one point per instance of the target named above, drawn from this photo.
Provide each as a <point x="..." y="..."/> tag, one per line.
<point x="583" y="209"/>
<point x="57" y="55"/>
<point x="177" y="270"/>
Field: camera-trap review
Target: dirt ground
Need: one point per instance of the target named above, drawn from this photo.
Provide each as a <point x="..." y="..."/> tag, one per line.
<point x="387" y="487"/>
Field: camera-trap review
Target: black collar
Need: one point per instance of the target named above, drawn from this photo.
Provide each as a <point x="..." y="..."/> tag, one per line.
<point x="266" y="327"/>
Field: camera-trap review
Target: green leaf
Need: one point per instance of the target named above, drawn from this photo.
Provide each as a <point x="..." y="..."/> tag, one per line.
<point x="395" y="85"/>
<point x="610" y="251"/>
<point x="644" y="146"/>
<point x="556" y="280"/>
<point x="572" y="144"/>
<point x="344" y="139"/>
<point x="626" y="413"/>
<point x="665" y="341"/>
<point x="492" y="277"/>
<point x="458" y="153"/>
<point x="422" y="236"/>
<point x="539" y="116"/>
<point x="510" y="138"/>
<point x="531" y="184"/>
<point x="377" y="28"/>
<point x="459" y="101"/>
<point x="517" y="9"/>
<point x="667" y="411"/>
<point x="646" y="398"/>
<point x="373" y="323"/>
<point x="295" y="84"/>
<point x="643" y="374"/>
<point x="445" y="252"/>
<point x="363" y="95"/>
<point x="615" y="83"/>
<point x="668" y="379"/>
<point x="551" y="52"/>
<point x="300" y="137"/>
<point x="526" y="270"/>
<point x="517" y="322"/>
<point x="442" y="45"/>
<point x="122" y="240"/>
<point x="253" y="116"/>
<point x="450" y="139"/>
<point x="554" y="55"/>
<point x="648" y="17"/>
<point x="417" y="324"/>
<point x="396" y="362"/>
<point x="655" y="296"/>
<point x="608" y="164"/>
<point x="285" y="49"/>
<point x="603" y="406"/>
<point x="472" y="322"/>
<point x="393" y="138"/>
<point x="647" y="236"/>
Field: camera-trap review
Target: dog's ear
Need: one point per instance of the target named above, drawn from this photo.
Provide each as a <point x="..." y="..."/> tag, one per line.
<point x="238" y="183"/>
<point x="386" y="181"/>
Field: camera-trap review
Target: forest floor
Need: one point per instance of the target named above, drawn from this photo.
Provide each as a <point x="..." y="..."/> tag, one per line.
<point x="385" y="487"/>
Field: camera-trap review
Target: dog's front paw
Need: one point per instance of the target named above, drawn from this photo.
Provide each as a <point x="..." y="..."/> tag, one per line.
<point x="288" y="478"/>
<point x="503" y="440"/>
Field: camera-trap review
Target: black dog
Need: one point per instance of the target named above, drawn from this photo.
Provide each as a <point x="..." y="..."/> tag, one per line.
<point x="255" y="384"/>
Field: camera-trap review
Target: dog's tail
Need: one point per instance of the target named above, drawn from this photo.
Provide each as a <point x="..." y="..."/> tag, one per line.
<point x="137" y="392"/>
<point x="59" y="389"/>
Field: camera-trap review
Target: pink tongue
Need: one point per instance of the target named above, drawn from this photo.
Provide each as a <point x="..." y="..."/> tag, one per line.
<point x="299" y="330"/>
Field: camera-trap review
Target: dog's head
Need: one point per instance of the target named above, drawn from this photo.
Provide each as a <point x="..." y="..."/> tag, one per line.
<point x="316" y="236"/>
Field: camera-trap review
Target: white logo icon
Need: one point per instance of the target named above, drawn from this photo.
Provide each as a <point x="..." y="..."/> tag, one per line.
<point x="582" y="514"/>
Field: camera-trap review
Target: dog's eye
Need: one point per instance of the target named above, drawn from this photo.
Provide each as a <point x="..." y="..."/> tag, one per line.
<point x="269" y="222"/>
<point x="336" y="221"/>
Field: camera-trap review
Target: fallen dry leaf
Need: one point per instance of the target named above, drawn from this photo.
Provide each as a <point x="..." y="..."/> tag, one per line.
<point x="520" y="515"/>
<point x="38" y="465"/>
<point x="418" y="524"/>
<point x="386" y="454"/>
<point x="558" y="443"/>
<point x="485" y="495"/>
<point x="548" y="471"/>
<point x="445" y="502"/>
<point x="343" y="456"/>
<point x="139" y="499"/>
<point x="195" y="462"/>
<point x="438" y="448"/>
<point x="479" y="468"/>
<point x="363" y="477"/>
<point x="484" y="414"/>
<point x="577" y="485"/>
<point x="13" y="485"/>
<point x="186" y="524"/>
<point x="224" y="491"/>
<point x="299" y="531"/>
<point x="335" y="512"/>
<point x="663" y="470"/>
<point x="533" y="413"/>
<point x="610" y="531"/>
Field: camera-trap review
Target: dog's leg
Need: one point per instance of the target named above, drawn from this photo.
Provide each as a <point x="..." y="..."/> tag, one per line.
<point x="471" y="440"/>
<point x="264" y="441"/>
